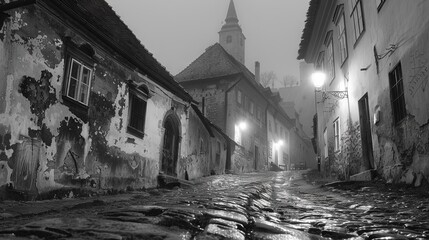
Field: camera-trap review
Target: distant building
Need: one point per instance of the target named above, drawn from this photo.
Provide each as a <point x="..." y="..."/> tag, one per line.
<point x="377" y="52"/>
<point x="233" y="99"/>
<point x="302" y="95"/>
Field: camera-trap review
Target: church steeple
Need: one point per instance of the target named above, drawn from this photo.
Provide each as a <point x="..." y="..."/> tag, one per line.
<point x="231" y="16"/>
<point x="231" y="36"/>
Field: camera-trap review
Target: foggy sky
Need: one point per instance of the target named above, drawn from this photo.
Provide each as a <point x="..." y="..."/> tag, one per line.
<point x="176" y="32"/>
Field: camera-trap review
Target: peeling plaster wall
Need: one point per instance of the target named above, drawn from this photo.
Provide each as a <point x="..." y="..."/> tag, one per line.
<point x="195" y="163"/>
<point x="400" y="150"/>
<point x="46" y="143"/>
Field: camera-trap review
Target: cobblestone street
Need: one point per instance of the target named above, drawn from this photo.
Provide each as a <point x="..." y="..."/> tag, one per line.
<point x="251" y="206"/>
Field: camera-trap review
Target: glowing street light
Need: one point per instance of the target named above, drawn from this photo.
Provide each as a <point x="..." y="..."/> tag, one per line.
<point x="242" y="126"/>
<point x="278" y="144"/>
<point x="318" y="78"/>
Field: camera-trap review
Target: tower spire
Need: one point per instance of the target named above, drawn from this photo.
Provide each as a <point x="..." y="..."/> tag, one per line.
<point x="231" y="36"/>
<point x="231" y="16"/>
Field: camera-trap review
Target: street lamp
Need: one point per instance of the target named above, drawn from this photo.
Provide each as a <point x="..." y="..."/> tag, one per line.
<point x="242" y="125"/>
<point x="278" y="144"/>
<point x="318" y="78"/>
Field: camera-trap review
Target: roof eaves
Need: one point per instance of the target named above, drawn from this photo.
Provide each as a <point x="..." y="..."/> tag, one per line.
<point x="130" y="49"/>
<point x="308" y="28"/>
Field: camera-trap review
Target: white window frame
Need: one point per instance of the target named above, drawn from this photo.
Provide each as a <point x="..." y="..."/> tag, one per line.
<point x="79" y="82"/>
<point x="330" y="59"/>
<point x="342" y="38"/>
<point x="357" y="17"/>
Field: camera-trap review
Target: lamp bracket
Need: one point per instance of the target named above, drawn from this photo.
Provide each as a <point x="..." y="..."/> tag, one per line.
<point x="336" y="94"/>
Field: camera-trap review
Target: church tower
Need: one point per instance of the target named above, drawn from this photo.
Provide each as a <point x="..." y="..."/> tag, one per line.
<point x="231" y="37"/>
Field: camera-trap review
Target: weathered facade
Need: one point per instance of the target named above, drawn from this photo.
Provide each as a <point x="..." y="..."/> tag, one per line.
<point x="83" y="104"/>
<point x="278" y="130"/>
<point x="224" y="95"/>
<point x="377" y="51"/>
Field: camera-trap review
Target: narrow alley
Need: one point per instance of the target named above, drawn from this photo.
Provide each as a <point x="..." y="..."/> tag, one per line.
<point x="270" y="205"/>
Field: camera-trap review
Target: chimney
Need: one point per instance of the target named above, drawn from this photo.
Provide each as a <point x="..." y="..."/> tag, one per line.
<point x="258" y="72"/>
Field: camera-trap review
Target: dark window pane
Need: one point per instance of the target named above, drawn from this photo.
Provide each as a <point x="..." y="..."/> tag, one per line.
<point x="75" y="70"/>
<point x="85" y="75"/>
<point x="138" y="113"/>
<point x="72" y="88"/>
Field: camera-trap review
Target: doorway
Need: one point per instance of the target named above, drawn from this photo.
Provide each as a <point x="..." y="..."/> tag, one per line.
<point x="365" y="132"/>
<point x="170" y="147"/>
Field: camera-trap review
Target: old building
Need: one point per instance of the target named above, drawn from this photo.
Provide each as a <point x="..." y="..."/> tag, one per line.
<point x="232" y="98"/>
<point x="373" y="108"/>
<point x="301" y="95"/>
<point x="84" y="104"/>
<point x="304" y="154"/>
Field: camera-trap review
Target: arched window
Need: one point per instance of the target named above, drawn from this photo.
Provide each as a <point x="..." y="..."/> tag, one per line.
<point x="228" y="39"/>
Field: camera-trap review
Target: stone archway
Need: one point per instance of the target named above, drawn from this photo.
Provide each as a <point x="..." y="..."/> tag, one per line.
<point x="170" y="144"/>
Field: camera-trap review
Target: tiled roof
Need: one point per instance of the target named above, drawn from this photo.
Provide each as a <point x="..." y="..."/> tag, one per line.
<point x="217" y="62"/>
<point x="214" y="62"/>
<point x="308" y="28"/>
<point x="101" y="21"/>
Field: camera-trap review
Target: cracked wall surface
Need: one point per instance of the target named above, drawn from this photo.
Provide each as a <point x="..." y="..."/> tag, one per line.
<point x="48" y="141"/>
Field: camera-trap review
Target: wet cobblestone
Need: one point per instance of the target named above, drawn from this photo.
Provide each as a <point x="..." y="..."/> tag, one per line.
<point x="256" y="206"/>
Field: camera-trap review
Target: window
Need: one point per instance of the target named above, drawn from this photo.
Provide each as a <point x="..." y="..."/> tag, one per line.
<point x="337" y="135"/>
<point x="137" y="110"/>
<point x="239" y="97"/>
<point x="275" y="127"/>
<point x="228" y="39"/>
<point x="241" y="42"/>
<point x="342" y="38"/>
<point x="330" y="68"/>
<point x="379" y="4"/>
<point x="252" y="108"/>
<point x="397" y="94"/>
<point x="357" y="17"/>
<point x="79" y="81"/>
<point x="246" y="103"/>
<point x="269" y="126"/>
